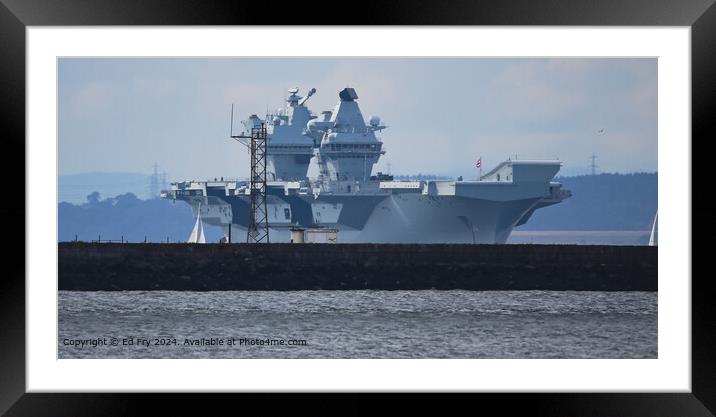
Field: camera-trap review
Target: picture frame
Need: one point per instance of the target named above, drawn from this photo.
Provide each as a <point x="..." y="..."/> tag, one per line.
<point x="16" y="15"/>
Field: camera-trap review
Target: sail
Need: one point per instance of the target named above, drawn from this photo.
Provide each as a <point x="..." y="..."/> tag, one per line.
<point x="194" y="233"/>
<point x="202" y="239"/>
<point x="197" y="235"/>
<point x="652" y="241"/>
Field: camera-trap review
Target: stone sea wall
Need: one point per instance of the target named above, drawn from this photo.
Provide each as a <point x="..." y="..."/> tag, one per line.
<point x="217" y="267"/>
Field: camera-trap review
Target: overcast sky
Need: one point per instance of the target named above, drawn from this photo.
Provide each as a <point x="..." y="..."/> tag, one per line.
<point x="123" y="115"/>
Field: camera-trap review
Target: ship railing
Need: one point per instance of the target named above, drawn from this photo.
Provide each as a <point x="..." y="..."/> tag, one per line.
<point x="122" y="240"/>
<point x="100" y="240"/>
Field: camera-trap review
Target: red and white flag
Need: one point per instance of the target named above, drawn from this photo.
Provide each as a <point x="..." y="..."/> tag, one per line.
<point x="478" y="164"/>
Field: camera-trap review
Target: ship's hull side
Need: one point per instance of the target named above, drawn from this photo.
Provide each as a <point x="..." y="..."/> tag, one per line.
<point x="385" y="218"/>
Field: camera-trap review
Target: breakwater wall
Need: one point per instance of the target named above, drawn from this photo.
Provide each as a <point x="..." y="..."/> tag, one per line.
<point x="217" y="267"/>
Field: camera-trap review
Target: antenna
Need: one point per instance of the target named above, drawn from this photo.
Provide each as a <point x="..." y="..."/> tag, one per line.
<point x="257" y="230"/>
<point x="231" y="133"/>
<point x="154" y="182"/>
<point x="593" y="165"/>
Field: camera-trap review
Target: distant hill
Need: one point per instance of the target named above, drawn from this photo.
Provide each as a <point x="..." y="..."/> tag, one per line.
<point x="128" y="217"/>
<point x="75" y="188"/>
<point x="600" y="202"/>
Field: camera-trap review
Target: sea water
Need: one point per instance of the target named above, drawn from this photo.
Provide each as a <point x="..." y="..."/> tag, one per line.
<point x="357" y="324"/>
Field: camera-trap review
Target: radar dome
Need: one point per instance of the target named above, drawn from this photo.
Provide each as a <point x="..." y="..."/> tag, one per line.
<point x="374" y="121"/>
<point x="276" y="120"/>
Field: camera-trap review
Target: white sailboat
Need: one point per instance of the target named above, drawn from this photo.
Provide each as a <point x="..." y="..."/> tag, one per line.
<point x="197" y="235"/>
<point x="652" y="238"/>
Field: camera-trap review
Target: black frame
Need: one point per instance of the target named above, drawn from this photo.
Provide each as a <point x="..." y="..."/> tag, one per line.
<point x="15" y="15"/>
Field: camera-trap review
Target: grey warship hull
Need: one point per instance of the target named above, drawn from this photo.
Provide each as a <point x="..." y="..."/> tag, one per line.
<point x="483" y="211"/>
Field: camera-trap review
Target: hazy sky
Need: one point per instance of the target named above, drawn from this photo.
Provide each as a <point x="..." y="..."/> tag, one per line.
<point x="122" y="115"/>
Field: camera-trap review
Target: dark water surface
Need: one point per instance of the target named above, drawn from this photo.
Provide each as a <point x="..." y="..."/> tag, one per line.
<point x="357" y="324"/>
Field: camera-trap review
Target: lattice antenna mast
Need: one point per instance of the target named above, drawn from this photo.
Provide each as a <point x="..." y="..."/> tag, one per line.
<point x="258" y="213"/>
<point x="593" y="164"/>
<point x="258" y="227"/>
<point x="154" y="182"/>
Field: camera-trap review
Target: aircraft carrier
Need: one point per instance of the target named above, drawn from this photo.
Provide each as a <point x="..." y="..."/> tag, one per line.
<point x="365" y="207"/>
